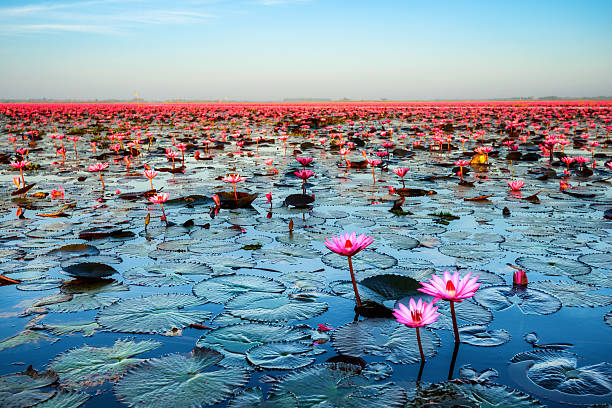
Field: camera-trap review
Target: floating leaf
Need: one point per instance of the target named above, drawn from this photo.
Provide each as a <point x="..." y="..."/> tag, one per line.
<point x="338" y="385"/>
<point x="529" y="301"/>
<point x="167" y="274"/>
<point x="153" y="314"/>
<point x="80" y="303"/>
<point x="385" y="338"/>
<point x="597" y="260"/>
<point x="235" y="340"/>
<point x="65" y="399"/>
<point x="272" y="307"/>
<point x="554" y="266"/>
<point x="558" y="370"/>
<point x="253" y="398"/>
<point x="88" y="328"/>
<point x="24" y="337"/>
<point x="285" y="254"/>
<point x="89" y="270"/>
<point x="478" y="335"/>
<point x="572" y="294"/>
<point x="377" y="371"/>
<point x="87" y="366"/>
<point x="280" y="356"/>
<point x="470" y="252"/>
<point x="24" y="389"/>
<point x="181" y="381"/>
<point x="222" y="288"/>
<point x="469" y="373"/>
<point x="465" y="311"/>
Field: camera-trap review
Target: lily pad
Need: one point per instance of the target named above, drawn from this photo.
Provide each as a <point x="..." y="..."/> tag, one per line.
<point x="554" y="266"/>
<point x="573" y="294"/>
<point x="364" y="260"/>
<point x="88" y="366"/>
<point x="167" y="274"/>
<point x="80" y="303"/>
<point x="558" y="370"/>
<point x="338" y="385"/>
<point x="385" y="338"/>
<point x="25" y="389"/>
<point x="24" y="337"/>
<point x="478" y="335"/>
<point x="65" y="399"/>
<point x="222" y="288"/>
<point x="153" y="314"/>
<point x="529" y="301"/>
<point x="273" y="307"/>
<point x="253" y="398"/>
<point x="235" y="340"/>
<point x="280" y="356"/>
<point x="181" y="381"/>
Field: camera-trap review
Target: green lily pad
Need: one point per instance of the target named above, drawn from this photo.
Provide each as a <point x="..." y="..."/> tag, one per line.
<point x="573" y="294"/>
<point x="253" y="398"/>
<point x="153" y="314"/>
<point x="234" y="341"/>
<point x="554" y="266"/>
<point x="479" y="335"/>
<point x="273" y="307"/>
<point x="65" y="399"/>
<point x="181" y="381"/>
<point x="25" y="389"/>
<point x="222" y="288"/>
<point x="88" y="366"/>
<point x="529" y="301"/>
<point x="167" y="274"/>
<point x="280" y="356"/>
<point x="338" y="385"/>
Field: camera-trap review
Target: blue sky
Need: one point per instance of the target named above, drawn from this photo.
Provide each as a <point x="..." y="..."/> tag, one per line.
<point x="275" y="49"/>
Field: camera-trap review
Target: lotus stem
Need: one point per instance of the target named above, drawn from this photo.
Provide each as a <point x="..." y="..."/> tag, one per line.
<point x="164" y="213"/>
<point x="100" y="173"/>
<point x="354" y="283"/>
<point x="455" y="329"/>
<point x="420" y="346"/>
<point x="235" y="194"/>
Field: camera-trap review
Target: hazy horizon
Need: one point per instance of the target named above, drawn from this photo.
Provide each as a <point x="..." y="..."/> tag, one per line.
<point x="272" y="50"/>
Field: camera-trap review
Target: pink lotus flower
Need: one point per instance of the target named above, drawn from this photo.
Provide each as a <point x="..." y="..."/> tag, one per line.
<point x="150" y="174"/>
<point x="217" y="200"/>
<point x="325" y="328"/>
<point x="304" y="161"/>
<point x="401" y="172"/>
<point x="419" y="315"/>
<point x="349" y="245"/>
<point x="269" y="198"/>
<point x="520" y="278"/>
<point x="516" y="185"/>
<point x="58" y="193"/>
<point x="234" y="178"/>
<point x="160" y="199"/>
<point x="461" y="164"/>
<point x="304" y="175"/>
<point x="98" y="167"/>
<point x="452" y="289"/>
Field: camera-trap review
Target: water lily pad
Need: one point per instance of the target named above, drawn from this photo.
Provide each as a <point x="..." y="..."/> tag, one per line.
<point x="377" y="371"/>
<point x="235" y="340"/>
<point x="60" y="329"/>
<point x="167" y="274"/>
<point x="222" y="288"/>
<point x="573" y="294"/>
<point x="280" y="356"/>
<point x="285" y="254"/>
<point x="470" y="252"/>
<point x="253" y="398"/>
<point x="89" y="270"/>
<point x="153" y="314"/>
<point x="65" y="399"/>
<point x="338" y="385"/>
<point x="554" y="266"/>
<point x="273" y="307"/>
<point x="469" y="373"/>
<point x="25" y="389"/>
<point x="597" y="260"/>
<point x="87" y="366"/>
<point x="181" y="381"/>
<point x="80" y="303"/>
<point x="385" y="338"/>
<point x="479" y="335"/>
<point x="466" y="311"/>
<point x="558" y="370"/>
<point x="24" y="337"/>
<point x="529" y="301"/>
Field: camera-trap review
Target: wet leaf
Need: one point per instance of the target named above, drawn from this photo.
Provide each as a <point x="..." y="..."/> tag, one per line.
<point x="223" y="288"/>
